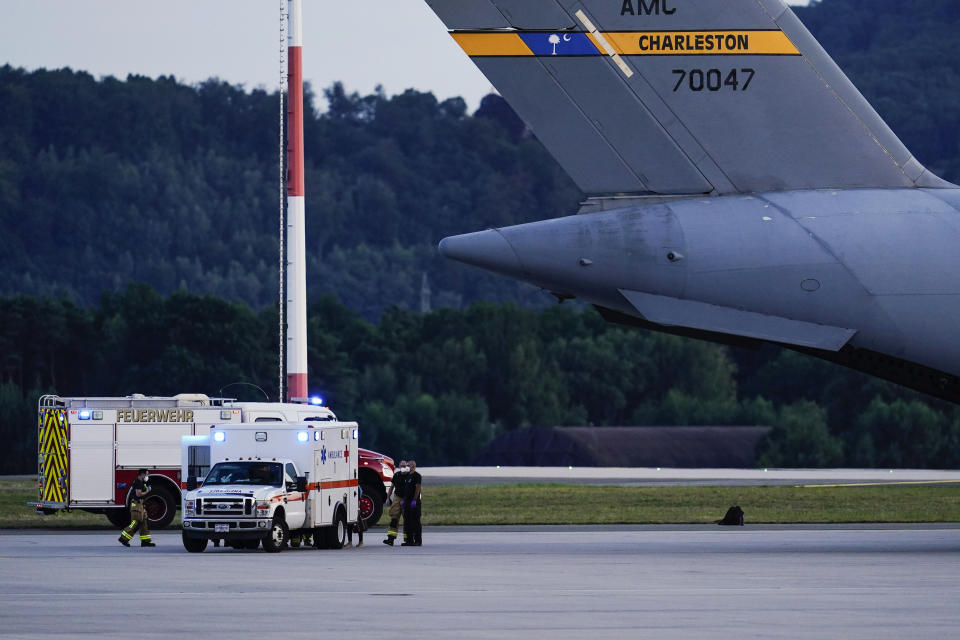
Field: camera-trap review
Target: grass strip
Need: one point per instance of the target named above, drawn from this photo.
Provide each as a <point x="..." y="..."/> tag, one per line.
<point x="572" y="504"/>
<point x="15" y="514"/>
<point x="577" y="504"/>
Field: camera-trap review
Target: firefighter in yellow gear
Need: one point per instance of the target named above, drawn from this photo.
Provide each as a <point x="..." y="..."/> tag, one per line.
<point x="394" y="500"/>
<point x="138" y="513"/>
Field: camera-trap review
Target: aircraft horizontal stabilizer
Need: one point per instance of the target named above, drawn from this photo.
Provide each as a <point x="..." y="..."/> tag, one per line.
<point x="681" y="97"/>
<point x="689" y="314"/>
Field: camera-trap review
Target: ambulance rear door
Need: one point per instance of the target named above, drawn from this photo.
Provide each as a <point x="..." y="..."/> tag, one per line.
<point x="194" y="458"/>
<point x="351" y="456"/>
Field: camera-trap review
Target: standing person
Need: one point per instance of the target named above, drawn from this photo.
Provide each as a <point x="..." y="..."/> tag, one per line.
<point x="138" y="513"/>
<point x="395" y="501"/>
<point x="412" y="528"/>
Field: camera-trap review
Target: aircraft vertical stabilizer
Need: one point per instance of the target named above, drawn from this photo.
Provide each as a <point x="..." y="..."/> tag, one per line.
<point x="681" y="96"/>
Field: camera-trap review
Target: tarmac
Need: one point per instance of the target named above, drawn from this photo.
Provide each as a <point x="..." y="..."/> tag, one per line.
<point x="870" y="582"/>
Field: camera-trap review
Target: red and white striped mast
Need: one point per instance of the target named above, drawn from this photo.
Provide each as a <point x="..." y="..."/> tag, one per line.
<point x="296" y="276"/>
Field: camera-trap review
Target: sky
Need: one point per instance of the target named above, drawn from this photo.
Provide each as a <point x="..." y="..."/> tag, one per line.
<point x="398" y="44"/>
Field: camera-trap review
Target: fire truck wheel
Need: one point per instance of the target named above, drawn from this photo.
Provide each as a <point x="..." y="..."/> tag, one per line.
<point x="194" y="545"/>
<point x="277" y="539"/>
<point x="118" y="517"/>
<point x="371" y="505"/>
<point x="161" y="508"/>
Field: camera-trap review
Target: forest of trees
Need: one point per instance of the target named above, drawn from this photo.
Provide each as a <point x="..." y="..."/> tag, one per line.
<point x="107" y="182"/>
<point x="440" y="385"/>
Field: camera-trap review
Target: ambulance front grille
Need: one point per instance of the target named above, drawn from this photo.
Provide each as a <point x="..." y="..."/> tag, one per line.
<point x="225" y="506"/>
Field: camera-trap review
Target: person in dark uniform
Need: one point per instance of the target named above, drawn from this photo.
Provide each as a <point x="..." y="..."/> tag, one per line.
<point x="138" y="513"/>
<point x="412" y="529"/>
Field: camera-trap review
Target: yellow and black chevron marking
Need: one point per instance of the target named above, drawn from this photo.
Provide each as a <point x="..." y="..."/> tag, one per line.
<point x="53" y="455"/>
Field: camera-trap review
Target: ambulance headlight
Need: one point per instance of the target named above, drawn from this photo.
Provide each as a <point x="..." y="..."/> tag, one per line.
<point x="219" y="436"/>
<point x="302" y="436"/>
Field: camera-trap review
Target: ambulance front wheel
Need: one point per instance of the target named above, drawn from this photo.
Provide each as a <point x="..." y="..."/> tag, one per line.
<point x="194" y="545"/>
<point x="276" y="540"/>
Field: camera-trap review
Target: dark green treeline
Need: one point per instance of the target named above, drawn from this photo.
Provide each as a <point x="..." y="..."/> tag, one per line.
<point x="440" y="385"/>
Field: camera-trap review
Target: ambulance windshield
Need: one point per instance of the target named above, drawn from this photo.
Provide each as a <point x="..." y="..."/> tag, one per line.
<point x="251" y="472"/>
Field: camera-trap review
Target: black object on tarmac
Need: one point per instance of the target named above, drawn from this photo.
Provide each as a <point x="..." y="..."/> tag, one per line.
<point x="734" y="516"/>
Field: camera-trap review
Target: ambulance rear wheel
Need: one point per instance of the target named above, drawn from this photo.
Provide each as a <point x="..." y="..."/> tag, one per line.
<point x="161" y="507"/>
<point x="338" y="532"/>
<point x="118" y="517"/>
<point x="276" y="540"/>
<point x="194" y="545"/>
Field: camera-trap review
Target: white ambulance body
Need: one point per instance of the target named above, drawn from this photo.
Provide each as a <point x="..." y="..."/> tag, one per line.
<point x="272" y="483"/>
<point x="91" y="447"/>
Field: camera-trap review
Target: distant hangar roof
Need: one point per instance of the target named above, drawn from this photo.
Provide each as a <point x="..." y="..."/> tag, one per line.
<point x="704" y="446"/>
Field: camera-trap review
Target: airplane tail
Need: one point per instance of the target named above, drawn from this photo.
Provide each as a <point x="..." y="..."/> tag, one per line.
<point x="681" y="96"/>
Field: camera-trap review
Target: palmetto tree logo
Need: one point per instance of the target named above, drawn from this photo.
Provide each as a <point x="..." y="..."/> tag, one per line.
<point x="554" y="39"/>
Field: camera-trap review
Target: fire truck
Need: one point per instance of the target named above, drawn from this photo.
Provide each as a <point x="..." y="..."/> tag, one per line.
<point x="90" y="449"/>
<point x="272" y="484"/>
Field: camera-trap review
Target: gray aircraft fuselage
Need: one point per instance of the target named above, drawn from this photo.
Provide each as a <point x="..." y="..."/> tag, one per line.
<point x="869" y="278"/>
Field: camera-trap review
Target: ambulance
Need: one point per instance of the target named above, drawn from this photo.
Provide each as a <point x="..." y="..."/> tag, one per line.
<point x="272" y="484"/>
<point x="89" y="450"/>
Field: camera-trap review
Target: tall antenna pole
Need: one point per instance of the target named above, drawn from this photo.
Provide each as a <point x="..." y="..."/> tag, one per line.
<point x="296" y="244"/>
<point x="282" y="183"/>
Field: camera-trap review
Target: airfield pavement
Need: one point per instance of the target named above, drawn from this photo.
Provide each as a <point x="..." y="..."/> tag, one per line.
<point x="846" y="581"/>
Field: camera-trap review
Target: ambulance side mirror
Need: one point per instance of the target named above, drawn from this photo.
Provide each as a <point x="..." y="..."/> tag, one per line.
<point x="191" y="483"/>
<point x="302" y="484"/>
